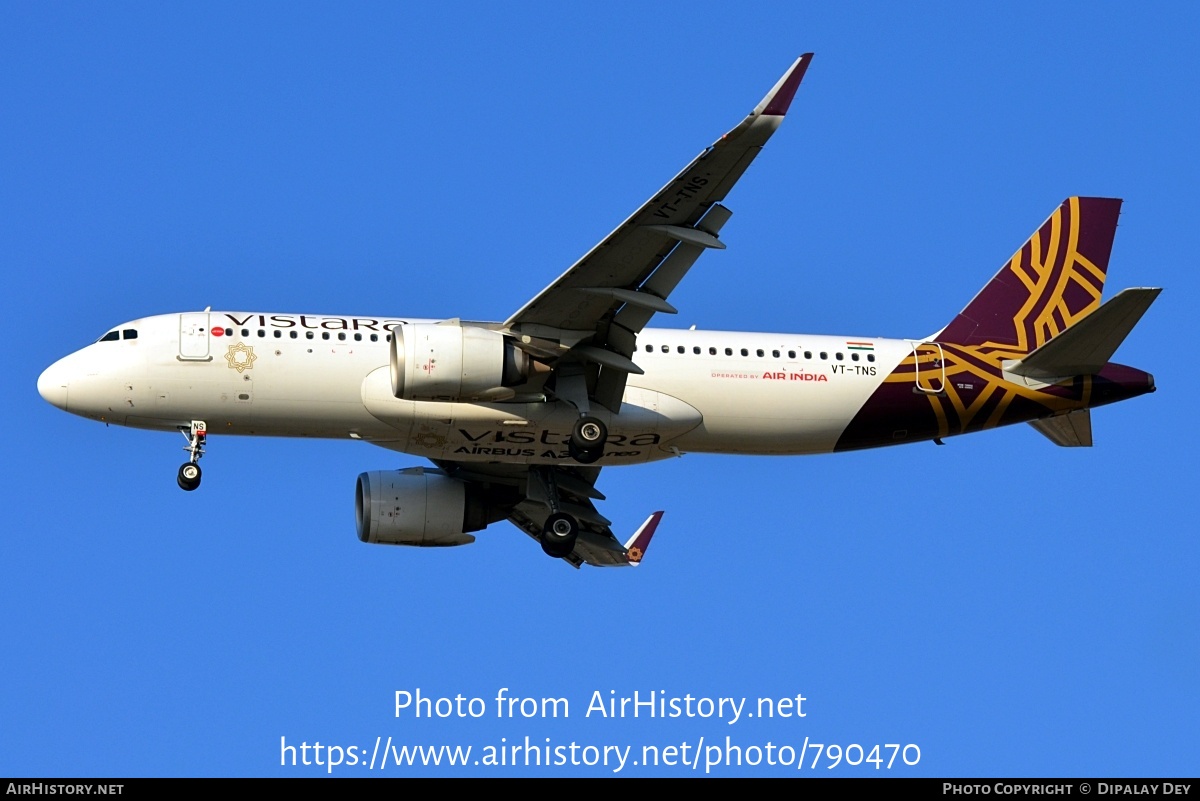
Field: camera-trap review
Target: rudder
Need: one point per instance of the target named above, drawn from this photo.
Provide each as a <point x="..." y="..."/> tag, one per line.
<point x="1055" y="279"/>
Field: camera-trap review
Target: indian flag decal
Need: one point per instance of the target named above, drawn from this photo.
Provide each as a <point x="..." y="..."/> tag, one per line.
<point x="860" y="346"/>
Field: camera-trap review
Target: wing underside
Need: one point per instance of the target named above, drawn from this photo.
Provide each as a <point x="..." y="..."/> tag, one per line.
<point x="561" y="488"/>
<point x="587" y="321"/>
<point x="582" y="329"/>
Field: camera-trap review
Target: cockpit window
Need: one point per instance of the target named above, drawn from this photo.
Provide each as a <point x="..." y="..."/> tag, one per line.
<point x="129" y="333"/>
<point x="111" y="336"/>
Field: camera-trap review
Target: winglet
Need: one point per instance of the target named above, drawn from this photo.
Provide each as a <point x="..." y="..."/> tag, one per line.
<point x="635" y="546"/>
<point x="778" y="100"/>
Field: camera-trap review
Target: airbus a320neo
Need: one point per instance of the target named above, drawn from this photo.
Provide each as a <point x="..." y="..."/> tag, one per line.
<point x="517" y="418"/>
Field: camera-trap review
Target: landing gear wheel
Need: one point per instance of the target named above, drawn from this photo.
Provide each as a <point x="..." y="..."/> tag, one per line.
<point x="586" y="456"/>
<point x="189" y="476"/>
<point x="559" y="535"/>
<point x="589" y="434"/>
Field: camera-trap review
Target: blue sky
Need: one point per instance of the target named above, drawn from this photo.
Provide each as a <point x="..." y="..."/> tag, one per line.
<point x="1010" y="607"/>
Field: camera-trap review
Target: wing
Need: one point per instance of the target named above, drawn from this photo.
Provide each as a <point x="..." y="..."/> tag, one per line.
<point x="570" y="489"/>
<point x="585" y="324"/>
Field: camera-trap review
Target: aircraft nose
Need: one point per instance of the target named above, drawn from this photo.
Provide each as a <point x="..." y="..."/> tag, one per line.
<point x="52" y="385"/>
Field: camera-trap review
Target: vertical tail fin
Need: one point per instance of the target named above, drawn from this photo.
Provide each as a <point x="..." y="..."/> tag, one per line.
<point x="1054" y="280"/>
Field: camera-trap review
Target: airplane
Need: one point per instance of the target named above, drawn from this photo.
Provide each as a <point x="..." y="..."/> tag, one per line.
<point x="519" y="417"/>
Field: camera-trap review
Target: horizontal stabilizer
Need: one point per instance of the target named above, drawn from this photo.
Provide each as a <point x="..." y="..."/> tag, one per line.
<point x="1088" y="345"/>
<point x="1072" y="430"/>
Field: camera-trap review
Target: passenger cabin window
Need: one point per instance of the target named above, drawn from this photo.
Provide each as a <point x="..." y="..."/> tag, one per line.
<point x="824" y="355"/>
<point x="696" y="350"/>
<point x="666" y="349"/>
<point x="261" y="333"/>
<point x="245" y="332"/>
<point x="129" y="333"/>
<point x="791" y="354"/>
<point x="853" y="357"/>
<point x="293" y="335"/>
<point x="760" y="353"/>
<point x="808" y="354"/>
<point x="342" y="337"/>
<point x="870" y="357"/>
<point x="838" y="355"/>
<point x="324" y="335"/>
<point x="308" y="334"/>
<point x="712" y="351"/>
<point x="278" y="334"/>
<point x="111" y="336"/>
<point x="681" y="349"/>
<point x="729" y="351"/>
<point x="358" y="337"/>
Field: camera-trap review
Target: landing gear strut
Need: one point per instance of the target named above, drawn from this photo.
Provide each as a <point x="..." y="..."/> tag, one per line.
<point x="189" y="473"/>
<point x="589" y="434"/>
<point x="587" y="439"/>
<point x="560" y="530"/>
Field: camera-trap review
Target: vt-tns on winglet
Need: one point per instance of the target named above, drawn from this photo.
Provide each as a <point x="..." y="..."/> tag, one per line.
<point x="518" y="417"/>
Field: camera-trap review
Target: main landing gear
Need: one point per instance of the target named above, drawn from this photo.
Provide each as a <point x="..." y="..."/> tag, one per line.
<point x="589" y="434"/>
<point x="189" y="471"/>
<point x="559" y="535"/>
<point x="587" y="440"/>
<point x="561" y="530"/>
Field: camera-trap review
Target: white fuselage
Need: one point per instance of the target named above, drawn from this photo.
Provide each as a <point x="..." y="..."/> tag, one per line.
<point x="323" y="376"/>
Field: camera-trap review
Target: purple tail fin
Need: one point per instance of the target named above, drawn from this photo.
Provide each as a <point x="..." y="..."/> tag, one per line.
<point x="1055" y="279"/>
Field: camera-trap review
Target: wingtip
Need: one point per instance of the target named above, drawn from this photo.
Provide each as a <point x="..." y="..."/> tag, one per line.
<point x="779" y="99"/>
<point x="635" y="548"/>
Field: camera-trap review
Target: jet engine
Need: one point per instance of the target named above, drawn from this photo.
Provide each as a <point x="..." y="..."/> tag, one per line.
<point x="452" y="362"/>
<point x="420" y="507"/>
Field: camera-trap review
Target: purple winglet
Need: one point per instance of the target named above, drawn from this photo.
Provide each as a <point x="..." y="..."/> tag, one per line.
<point x="635" y="549"/>
<point x="782" y="98"/>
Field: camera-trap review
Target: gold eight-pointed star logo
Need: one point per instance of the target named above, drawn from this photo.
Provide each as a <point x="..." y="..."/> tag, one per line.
<point x="240" y="356"/>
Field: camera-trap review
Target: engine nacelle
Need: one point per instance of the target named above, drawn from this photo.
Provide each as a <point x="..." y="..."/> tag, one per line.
<point x="452" y="362"/>
<point x="415" y="507"/>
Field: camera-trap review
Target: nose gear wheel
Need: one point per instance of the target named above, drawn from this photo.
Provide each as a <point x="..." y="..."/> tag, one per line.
<point x="189" y="474"/>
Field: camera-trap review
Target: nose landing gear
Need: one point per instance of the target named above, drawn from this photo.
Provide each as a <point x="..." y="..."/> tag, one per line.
<point x="189" y="476"/>
<point x="189" y="473"/>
